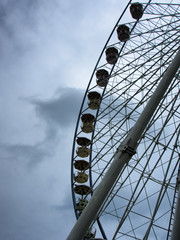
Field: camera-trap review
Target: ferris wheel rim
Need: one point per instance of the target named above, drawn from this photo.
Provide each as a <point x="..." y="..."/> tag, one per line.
<point x="86" y="95"/>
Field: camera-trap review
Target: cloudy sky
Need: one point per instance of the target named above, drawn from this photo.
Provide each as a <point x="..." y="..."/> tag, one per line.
<point x="48" y="51"/>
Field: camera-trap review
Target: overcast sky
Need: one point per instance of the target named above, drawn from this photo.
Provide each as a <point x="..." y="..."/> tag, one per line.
<point x="48" y="51"/>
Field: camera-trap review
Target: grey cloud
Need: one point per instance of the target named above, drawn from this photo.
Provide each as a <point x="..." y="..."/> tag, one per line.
<point x="41" y="42"/>
<point x="23" y="11"/>
<point x="29" y="14"/>
<point x="22" y="24"/>
<point x="18" y="28"/>
<point x="65" y="205"/>
<point x="17" y="15"/>
<point x="26" y="213"/>
<point x="65" y="212"/>
<point x="29" y="155"/>
<point x="63" y="109"/>
<point x="59" y="113"/>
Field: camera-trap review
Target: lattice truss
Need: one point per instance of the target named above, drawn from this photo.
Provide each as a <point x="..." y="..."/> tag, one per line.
<point x="141" y="203"/>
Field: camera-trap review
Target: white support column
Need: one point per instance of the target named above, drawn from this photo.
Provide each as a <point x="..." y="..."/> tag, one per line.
<point x="123" y="155"/>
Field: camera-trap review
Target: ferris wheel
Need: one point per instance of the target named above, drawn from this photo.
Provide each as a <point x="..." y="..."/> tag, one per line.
<point x="141" y="201"/>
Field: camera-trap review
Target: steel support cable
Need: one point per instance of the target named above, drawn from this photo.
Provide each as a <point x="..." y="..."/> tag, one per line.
<point x="129" y="209"/>
<point x="171" y="108"/>
<point x="154" y="64"/>
<point x="132" y="97"/>
<point x="107" y="131"/>
<point x="158" y="201"/>
<point x="144" y="168"/>
<point x="138" y="123"/>
<point x="136" y="165"/>
<point x="134" y="201"/>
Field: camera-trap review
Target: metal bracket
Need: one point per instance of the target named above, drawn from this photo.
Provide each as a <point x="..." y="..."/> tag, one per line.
<point x="125" y="147"/>
<point x="131" y="151"/>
